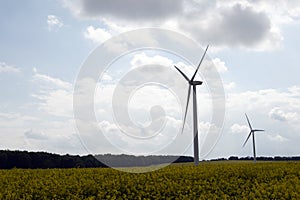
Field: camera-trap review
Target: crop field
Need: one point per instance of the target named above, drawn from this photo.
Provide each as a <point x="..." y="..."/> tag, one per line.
<point x="209" y="180"/>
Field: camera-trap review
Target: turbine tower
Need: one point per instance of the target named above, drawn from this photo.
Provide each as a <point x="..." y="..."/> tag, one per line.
<point x="252" y="131"/>
<point x="193" y="84"/>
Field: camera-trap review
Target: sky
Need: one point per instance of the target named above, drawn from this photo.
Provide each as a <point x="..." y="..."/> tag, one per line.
<point x="45" y="45"/>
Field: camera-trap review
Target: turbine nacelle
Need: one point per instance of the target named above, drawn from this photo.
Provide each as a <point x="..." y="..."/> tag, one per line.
<point x="195" y="82"/>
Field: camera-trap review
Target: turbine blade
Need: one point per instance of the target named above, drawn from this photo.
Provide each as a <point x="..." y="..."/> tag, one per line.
<point x="247" y="138"/>
<point x="248" y="122"/>
<point x="186" y="78"/>
<point x="186" y="108"/>
<point x="199" y="63"/>
<point x="259" y="130"/>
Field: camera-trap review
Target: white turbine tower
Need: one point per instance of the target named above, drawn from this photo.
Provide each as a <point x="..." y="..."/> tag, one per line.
<point x="252" y="131"/>
<point x="193" y="84"/>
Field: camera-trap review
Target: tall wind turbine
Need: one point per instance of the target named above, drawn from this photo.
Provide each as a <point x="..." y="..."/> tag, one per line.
<point x="252" y="131"/>
<point x="193" y="84"/>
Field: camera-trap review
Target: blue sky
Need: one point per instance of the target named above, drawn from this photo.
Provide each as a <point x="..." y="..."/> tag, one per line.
<point x="253" y="44"/>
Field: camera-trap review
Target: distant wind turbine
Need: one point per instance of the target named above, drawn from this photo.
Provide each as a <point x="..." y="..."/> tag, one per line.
<point x="252" y="131"/>
<point x="193" y="84"/>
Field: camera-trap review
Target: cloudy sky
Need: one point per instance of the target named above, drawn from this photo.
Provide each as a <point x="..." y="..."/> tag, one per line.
<point x="254" y="46"/>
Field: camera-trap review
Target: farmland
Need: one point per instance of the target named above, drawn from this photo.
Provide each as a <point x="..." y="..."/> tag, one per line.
<point x="209" y="180"/>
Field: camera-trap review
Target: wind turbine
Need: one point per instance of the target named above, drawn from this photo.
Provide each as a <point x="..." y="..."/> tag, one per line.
<point x="252" y="131"/>
<point x="193" y="84"/>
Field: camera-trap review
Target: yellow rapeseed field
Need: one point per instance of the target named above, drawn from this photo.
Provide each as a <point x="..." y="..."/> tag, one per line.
<point x="209" y="180"/>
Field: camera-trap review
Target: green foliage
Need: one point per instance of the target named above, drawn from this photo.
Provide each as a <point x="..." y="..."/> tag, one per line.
<point x="209" y="180"/>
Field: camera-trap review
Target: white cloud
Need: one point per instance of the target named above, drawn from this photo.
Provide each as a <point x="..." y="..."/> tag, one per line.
<point x="110" y="29"/>
<point x="294" y="90"/>
<point x="131" y="9"/>
<point x="230" y="85"/>
<point x="220" y="65"/>
<point x="12" y="116"/>
<point x="55" y="95"/>
<point x="37" y="132"/>
<point x="234" y="26"/>
<point x="277" y="138"/>
<point x="214" y="63"/>
<point x="263" y="98"/>
<point x="108" y="127"/>
<point x="30" y="134"/>
<point x="143" y="59"/>
<point x="106" y="77"/>
<point x="293" y="8"/>
<point x="34" y="70"/>
<point x="97" y="35"/>
<point x="57" y="102"/>
<point x="54" y="22"/>
<point x="115" y="28"/>
<point x="235" y="23"/>
<point x="5" y="68"/>
<point x="237" y="128"/>
<point x="280" y="115"/>
<point x="50" y="81"/>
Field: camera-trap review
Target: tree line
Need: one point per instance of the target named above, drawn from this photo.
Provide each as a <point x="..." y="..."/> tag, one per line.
<point x="24" y="159"/>
<point x="33" y="160"/>
<point x="261" y="158"/>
